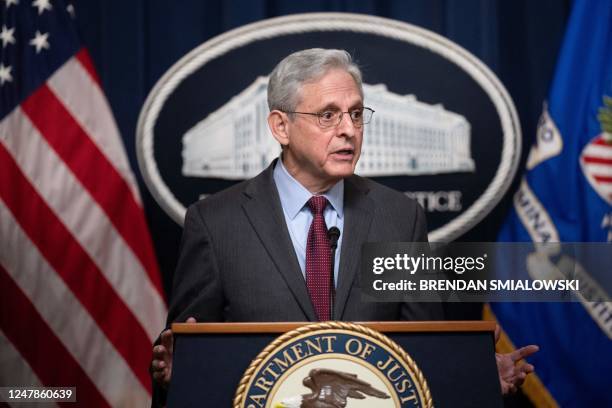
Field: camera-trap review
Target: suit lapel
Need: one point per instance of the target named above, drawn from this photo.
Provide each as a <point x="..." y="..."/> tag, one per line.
<point x="358" y="212"/>
<point x="265" y="214"/>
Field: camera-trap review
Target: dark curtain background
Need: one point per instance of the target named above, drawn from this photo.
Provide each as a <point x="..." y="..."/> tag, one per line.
<point x="134" y="42"/>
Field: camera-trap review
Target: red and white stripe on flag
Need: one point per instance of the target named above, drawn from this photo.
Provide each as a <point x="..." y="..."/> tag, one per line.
<point x="596" y="161"/>
<point x="80" y="293"/>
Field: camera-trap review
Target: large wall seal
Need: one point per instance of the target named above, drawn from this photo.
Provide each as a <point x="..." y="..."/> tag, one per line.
<point x="445" y="130"/>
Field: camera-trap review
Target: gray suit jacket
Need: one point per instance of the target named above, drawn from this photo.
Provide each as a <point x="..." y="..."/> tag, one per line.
<point x="237" y="262"/>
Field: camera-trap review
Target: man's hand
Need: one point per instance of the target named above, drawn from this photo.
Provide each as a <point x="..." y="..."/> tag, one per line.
<point x="511" y="374"/>
<point x="161" y="366"/>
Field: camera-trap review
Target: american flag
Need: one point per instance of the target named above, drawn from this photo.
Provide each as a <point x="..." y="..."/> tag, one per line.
<point x="80" y="293"/>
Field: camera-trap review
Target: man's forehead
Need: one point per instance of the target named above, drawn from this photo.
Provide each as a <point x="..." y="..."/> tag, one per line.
<point x="334" y="87"/>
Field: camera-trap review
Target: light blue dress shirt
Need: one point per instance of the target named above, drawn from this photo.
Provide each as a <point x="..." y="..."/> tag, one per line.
<point x="293" y="197"/>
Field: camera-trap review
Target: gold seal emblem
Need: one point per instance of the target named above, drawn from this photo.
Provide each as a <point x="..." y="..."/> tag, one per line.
<point x="333" y="365"/>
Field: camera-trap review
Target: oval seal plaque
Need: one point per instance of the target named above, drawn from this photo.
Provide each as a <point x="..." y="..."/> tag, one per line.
<point x="445" y="131"/>
<point x="334" y="365"/>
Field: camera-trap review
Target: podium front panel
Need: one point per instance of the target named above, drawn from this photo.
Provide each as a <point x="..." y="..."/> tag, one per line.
<point x="459" y="367"/>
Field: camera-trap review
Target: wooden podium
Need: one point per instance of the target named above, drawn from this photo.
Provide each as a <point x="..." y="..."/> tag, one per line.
<point x="457" y="359"/>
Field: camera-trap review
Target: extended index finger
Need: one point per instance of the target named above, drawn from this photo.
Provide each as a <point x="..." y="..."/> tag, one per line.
<point x="524" y="352"/>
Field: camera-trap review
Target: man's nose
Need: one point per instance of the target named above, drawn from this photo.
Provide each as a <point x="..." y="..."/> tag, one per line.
<point x="346" y="127"/>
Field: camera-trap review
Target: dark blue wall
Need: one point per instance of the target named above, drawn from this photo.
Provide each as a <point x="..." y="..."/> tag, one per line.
<point x="134" y="42"/>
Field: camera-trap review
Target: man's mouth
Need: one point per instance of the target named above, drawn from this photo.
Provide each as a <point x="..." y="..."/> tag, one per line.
<point x="345" y="153"/>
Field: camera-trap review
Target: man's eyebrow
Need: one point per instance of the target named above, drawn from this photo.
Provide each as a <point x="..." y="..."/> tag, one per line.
<point x="329" y="106"/>
<point x="333" y="106"/>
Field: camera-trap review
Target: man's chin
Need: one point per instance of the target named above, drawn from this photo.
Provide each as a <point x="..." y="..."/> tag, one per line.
<point x="341" y="170"/>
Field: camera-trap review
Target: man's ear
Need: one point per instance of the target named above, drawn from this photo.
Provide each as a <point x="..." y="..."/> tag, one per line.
<point x="278" y="123"/>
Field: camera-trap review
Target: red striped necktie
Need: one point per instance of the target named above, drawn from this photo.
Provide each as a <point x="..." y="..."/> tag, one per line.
<point x="318" y="260"/>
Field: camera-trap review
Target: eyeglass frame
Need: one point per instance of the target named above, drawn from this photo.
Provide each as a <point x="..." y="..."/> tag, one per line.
<point x="319" y="114"/>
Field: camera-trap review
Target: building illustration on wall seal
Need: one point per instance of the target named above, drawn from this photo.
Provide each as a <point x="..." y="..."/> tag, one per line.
<point x="406" y="137"/>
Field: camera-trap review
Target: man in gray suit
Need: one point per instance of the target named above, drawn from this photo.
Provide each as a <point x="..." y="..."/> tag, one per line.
<point x="253" y="252"/>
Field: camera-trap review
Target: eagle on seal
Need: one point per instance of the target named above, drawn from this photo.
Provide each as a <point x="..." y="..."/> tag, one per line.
<point x="331" y="389"/>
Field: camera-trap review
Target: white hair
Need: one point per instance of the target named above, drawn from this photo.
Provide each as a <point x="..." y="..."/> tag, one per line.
<point x="287" y="78"/>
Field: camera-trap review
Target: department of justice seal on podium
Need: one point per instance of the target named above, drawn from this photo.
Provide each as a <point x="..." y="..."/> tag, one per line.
<point x="333" y="365"/>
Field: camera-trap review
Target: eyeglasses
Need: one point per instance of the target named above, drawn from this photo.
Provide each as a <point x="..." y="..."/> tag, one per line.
<point x="331" y="118"/>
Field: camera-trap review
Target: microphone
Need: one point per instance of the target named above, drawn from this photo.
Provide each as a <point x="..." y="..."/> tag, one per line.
<point x="333" y="234"/>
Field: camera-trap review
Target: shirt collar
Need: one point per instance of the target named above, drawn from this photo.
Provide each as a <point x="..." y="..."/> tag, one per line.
<point x="294" y="195"/>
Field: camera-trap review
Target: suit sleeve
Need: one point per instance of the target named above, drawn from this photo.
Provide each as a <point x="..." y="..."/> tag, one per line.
<point x="197" y="289"/>
<point x="421" y="310"/>
<point x="419" y="230"/>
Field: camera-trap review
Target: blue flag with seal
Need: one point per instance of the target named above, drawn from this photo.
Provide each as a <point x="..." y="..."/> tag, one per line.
<point x="566" y="196"/>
